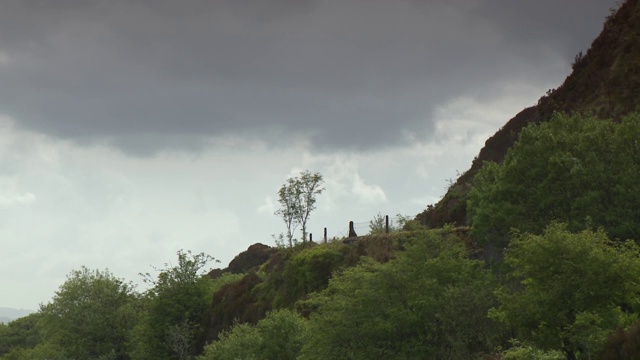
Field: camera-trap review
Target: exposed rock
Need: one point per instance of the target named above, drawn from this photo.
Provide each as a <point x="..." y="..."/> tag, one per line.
<point x="252" y="258"/>
<point x="248" y="260"/>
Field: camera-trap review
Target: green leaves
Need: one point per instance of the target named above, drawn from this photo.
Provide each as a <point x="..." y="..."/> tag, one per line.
<point x="176" y="307"/>
<point x="575" y="169"/>
<point x="571" y="290"/>
<point x="20" y="333"/>
<point x="279" y="336"/>
<point x="297" y="198"/>
<point x="89" y="316"/>
<point x="430" y="302"/>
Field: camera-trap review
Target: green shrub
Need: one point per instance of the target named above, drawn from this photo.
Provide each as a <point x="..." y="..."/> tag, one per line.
<point x="308" y="271"/>
<point x="279" y="336"/>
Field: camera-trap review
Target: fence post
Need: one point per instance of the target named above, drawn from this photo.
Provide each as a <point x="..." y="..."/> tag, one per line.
<point x="386" y="224"/>
<point x="352" y="232"/>
<point x="310" y="237"/>
<point x="325" y="235"/>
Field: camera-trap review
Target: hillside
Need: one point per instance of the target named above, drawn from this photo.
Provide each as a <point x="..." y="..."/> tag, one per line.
<point x="605" y="81"/>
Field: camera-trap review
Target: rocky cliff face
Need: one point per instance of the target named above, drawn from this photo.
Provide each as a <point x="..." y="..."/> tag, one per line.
<point x="604" y="81"/>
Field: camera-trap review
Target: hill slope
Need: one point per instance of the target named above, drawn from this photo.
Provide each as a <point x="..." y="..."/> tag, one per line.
<point x="604" y="81"/>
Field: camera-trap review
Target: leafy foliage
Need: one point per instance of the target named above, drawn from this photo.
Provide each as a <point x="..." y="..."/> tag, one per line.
<point x="176" y="308"/>
<point x="428" y="303"/>
<point x="574" y="169"/>
<point x="279" y="336"/>
<point x="308" y="271"/>
<point x="378" y="225"/>
<point x="605" y="82"/>
<point x="90" y="315"/>
<point x="522" y="351"/>
<point x="42" y="351"/>
<point x="297" y="198"/>
<point x="20" y="333"/>
<point x="241" y="342"/>
<point x="571" y="290"/>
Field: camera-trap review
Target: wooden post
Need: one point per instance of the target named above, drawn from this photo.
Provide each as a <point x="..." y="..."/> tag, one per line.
<point x="352" y="232"/>
<point x="386" y="224"/>
<point x="325" y="235"/>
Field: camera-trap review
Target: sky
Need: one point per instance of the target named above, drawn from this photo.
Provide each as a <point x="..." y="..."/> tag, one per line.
<point x="132" y="129"/>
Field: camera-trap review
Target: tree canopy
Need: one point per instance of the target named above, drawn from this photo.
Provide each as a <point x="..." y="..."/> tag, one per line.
<point x="429" y="303"/>
<point x="297" y="198"/>
<point x="279" y="336"/>
<point x="90" y="315"/>
<point x="575" y="169"/>
<point x="176" y="307"/>
<point x="571" y="289"/>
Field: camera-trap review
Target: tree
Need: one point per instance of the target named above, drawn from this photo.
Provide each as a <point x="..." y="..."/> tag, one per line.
<point x="521" y="351"/>
<point x="176" y="307"/>
<point x="43" y="351"/>
<point x="570" y="290"/>
<point x="428" y="303"/>
<point x="308" y="271"/>
<point x="576" y="169"/>
<point x="241" y="342"/>
<point x="288" y="199"/>
<point x="20" y="333"/>
<point x="279" y="336"/>
<point x="90" y="316"/>
<point x="297" y="198"/>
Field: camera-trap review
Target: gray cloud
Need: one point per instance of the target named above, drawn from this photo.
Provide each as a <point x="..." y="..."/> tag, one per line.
<point x="152" y="75"/>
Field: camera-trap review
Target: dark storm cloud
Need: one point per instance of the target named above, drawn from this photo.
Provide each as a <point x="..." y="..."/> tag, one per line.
<point x="347" y="73"/>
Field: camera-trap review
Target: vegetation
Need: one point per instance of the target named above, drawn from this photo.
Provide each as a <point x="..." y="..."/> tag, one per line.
<point x="175" y="310"/>
<point x="20" y="334"/>
<point x="605" y="82"/>
<point x="429" y="303"/>
<point x="558" y="295"/>
<point x="575" y="169"/>
<point x="378" y="225"/>
<point x="279" y="336"/>
<point x="90" y="316"/>
<point x="590" y="283"/>
<point x="297" y="198"/>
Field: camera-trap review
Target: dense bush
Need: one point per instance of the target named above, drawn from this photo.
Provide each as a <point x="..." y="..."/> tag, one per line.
<point x="90" y="315"/>
<point x="279" y="336"/>
<point x="307" y="271"/>
<point x="430" y="302"/>
<point x="576" y="169"/>
<point x="175" y="310"/>
<point x="570" y="290"/>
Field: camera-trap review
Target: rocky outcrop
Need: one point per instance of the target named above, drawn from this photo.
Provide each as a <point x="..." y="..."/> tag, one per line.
<point x="248" y="260"/>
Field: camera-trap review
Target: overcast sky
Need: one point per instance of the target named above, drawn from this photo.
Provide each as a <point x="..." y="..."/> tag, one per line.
<point x="130" y="129"/>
